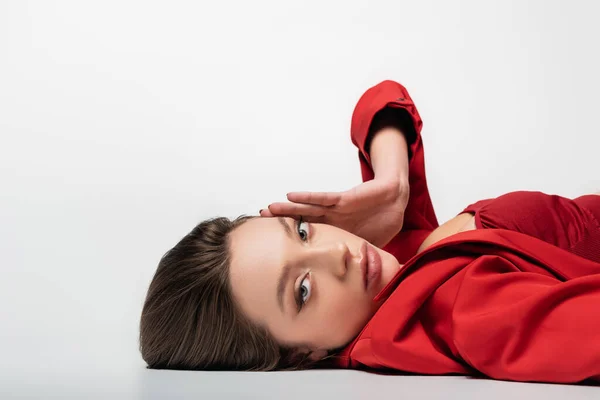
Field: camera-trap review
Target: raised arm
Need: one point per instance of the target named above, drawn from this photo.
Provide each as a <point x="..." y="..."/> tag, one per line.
<point x="392" y="207"/>
<point x="381" y="153"/>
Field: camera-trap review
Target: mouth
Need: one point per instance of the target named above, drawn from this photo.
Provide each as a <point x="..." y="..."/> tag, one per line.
<point x="370" y="265"/>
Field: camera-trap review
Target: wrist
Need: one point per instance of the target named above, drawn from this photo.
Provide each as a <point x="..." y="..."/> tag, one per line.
<point x="396" y="191"/>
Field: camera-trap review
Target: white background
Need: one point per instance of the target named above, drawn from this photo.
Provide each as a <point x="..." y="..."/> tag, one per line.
<point x="123" y="124"/>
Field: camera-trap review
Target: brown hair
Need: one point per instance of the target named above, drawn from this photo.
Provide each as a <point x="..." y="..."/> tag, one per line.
<point x="190" y="319"/>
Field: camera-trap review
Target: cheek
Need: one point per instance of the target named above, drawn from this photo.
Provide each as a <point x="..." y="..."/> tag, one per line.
<point x="345" y="313"/>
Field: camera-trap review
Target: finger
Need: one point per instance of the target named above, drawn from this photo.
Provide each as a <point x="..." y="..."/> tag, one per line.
<point x="325" y="199"/>
<point x="305" y="210"/>
<point x="318" y="220"/>
<point x="265" y="213"/>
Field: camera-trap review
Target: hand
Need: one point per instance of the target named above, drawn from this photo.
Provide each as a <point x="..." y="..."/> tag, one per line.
<point x="373" y="210"/>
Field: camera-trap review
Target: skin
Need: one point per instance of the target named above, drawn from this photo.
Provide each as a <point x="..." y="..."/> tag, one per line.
<point x="337" y="304"/>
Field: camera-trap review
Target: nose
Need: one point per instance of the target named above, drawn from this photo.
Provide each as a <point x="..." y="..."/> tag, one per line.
<point x="334" y="257"/>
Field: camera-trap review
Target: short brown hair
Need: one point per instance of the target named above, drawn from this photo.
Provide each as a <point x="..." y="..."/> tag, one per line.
<point x="190" y="319"/>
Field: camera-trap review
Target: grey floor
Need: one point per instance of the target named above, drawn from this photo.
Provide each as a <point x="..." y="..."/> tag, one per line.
<point x="331" y="384"/>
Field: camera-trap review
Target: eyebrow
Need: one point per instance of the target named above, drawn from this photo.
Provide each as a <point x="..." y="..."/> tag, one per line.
<point x="285" y="271"/>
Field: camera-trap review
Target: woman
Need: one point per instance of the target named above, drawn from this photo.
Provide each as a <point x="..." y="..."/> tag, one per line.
<point x="509" y="288"/>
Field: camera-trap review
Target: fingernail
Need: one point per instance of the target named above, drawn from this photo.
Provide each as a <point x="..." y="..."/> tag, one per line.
<point x="260" y="211"/>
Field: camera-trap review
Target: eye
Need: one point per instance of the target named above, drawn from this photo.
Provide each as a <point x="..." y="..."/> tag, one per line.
<point x="303" y="293"/>
<point x="303" y="229"/>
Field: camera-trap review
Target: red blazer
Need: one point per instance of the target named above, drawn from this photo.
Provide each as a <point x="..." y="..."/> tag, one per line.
<point x="516" y="299"/>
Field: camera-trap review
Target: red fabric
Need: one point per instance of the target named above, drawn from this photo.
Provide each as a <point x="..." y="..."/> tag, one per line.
<point x="498" y="302"/>
<point x="569" y="224"/>
<point x="518" y="298"/>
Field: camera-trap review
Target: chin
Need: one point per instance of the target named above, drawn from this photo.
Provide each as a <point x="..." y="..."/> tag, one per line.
<point x="390" y="266"/>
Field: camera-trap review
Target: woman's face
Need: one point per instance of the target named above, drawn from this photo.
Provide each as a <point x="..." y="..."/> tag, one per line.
<point x="322" y="303"/>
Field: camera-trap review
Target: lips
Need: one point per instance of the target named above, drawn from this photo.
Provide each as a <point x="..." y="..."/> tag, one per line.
<point x="370" y="265"/>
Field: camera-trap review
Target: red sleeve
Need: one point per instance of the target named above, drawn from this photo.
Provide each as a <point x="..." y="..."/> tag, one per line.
<point x="560" y="221"/>
<point x="527" y="326"/>
<point x="419" y="218"/>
